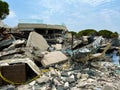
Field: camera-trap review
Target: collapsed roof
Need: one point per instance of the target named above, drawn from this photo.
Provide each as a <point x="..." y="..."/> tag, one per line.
<point x="31" y="26"/>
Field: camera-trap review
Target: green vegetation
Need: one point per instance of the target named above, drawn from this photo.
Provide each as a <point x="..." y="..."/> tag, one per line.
<point x="108" y="34"/>
<point x="88" y="32"/>
<point x="4" y="9"/>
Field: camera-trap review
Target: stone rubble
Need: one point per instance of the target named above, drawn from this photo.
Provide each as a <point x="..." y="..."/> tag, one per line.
<point x="102" y="77"/>
<point x="62" y="72"/>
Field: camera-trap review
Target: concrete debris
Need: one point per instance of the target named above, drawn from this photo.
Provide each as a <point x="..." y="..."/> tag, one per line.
<point x="8" y="87"/>
<point x="6" y="40"/>
<point x="24" y="87"/>
<point x="7" y="54"/>
<point x="66" y="85"/>
<point x="33" y="64"/>
<point x="53" y="57"/>
<point x="77" y="43"/>
<point x="17" y="43"/>
<point x="89" y="52"/>
<point x="29" y="62"/>
<point x="57" y="46"/>
<point x="37" y="40"/>
<point x="34" y="53"/>
<point x="108" y="88"/>
<point x="42" y="79"/>
<point x="32" y="83"/>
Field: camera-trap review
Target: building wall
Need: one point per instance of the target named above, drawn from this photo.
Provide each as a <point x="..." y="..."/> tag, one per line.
<point x="50" y="32"/>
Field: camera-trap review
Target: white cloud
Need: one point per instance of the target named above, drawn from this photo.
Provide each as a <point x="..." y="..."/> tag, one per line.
<point x="96" y="2"/>
<point x="105" y="14"/>
<point x="109" y="14"/>
<point x="110" y="18"/>
<point x="76" y="13"/>
<point x="12" y="14"/>
<point x="39" y="17"/>
<point x="72" y="1"/>
<point x="34" y="16"/>
<point x="52" y="6"/>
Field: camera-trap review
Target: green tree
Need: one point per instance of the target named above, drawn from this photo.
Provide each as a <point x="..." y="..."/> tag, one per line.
<point x="87" y="32"/>
<point x="4" y="9"/>
<point x="114" y="35"/>
<point x="105" y="33"/>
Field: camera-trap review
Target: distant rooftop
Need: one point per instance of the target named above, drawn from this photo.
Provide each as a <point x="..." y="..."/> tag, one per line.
<point x="32" y="26"/>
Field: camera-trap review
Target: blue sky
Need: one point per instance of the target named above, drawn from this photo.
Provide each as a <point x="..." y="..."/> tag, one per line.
<point x="75" y="14"/>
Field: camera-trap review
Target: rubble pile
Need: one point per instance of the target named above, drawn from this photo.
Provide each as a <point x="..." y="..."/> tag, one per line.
<point x="52" y="67"/>
<point x="75" y="76"/>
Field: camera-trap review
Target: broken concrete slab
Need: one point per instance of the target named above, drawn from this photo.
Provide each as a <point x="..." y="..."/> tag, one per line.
<point x="34" y="53"/>
<point x="24" y="87"/>
<point x="108" y="88"/>
<point x="42" y="79"/>
<point x="53" y="57"/>
<point x="8" y="87"/>
<point x="57" y="82"/>
<point x="5" y="53"/>
<point x="16" y="43"/>
<point x="29" y="62"/>
<point x="37" y="40"/>
<point x="70" y="80"/>
<point x="57" y="46"/>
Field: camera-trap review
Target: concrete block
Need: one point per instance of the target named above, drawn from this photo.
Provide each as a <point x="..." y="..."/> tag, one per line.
<point x="53" y="57"/>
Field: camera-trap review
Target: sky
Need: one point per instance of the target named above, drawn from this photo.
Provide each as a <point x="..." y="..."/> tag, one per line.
<point x="76" y="15"/>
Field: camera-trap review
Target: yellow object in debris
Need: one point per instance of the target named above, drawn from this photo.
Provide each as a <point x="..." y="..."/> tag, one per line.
<point x="11" y="82"/>
<point x="44" y="70"/>
<point x="5" y="79"/>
